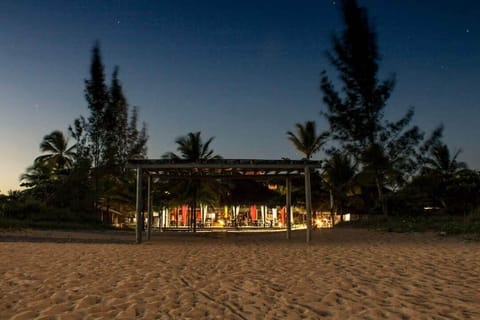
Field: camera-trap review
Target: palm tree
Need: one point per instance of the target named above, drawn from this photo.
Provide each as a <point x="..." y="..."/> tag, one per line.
<point x="59" y="155"/>
<point x="38" y="180"/>
<point x="339" y="174"/>
<point x="306" y="139"/>
<point x="442" y="162"/>
<point x="192" y="148"/>
<point x="307" y="142"/>
<point x="35" y="175"/>
<point x="440" y="171"/>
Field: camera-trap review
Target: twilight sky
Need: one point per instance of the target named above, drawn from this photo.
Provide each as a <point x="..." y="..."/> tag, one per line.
<point x="242" y="71"/>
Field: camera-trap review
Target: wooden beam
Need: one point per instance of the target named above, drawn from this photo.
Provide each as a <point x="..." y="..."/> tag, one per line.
<point x="172" y="176"/>
<point x="227" y="164"/>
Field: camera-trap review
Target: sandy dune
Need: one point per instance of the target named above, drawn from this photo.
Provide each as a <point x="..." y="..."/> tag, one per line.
<point x="343" y="274"/>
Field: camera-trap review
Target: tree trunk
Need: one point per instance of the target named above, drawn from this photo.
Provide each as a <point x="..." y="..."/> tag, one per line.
<point x="332" y="212"/>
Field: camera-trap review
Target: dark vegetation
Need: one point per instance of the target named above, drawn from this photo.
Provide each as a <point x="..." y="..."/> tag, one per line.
<point x="75" y="184"/>
<point x="441" y="223"/>
<point x="389" y="172"/>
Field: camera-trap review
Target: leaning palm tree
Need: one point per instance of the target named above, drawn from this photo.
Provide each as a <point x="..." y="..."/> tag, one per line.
<point x="192" y="148"/>
<point x="306" y="139"/>
<point x="58" y="155"/>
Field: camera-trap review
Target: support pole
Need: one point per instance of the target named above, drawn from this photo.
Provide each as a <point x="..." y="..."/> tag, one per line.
<point x="332" y="212"/>
<point x="149" y="204"/>
<point x="308" y="203"/>
<point x="289" y="207"/>
<point x="139" y="215"/>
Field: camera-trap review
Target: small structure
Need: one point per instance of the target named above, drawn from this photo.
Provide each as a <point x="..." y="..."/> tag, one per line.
<point x="222" y="169"/>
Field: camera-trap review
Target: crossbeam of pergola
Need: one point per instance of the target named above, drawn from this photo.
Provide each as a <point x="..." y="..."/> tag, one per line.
<point x="254" y="169"/>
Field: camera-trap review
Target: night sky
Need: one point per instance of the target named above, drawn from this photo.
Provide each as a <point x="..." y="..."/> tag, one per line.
<point x="242" y="71"/>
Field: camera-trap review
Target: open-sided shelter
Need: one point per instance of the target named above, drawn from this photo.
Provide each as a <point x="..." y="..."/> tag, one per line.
<point x="222" y="169"/>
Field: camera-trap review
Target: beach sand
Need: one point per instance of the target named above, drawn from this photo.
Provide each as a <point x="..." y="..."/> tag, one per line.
<point x="342" y="274"/>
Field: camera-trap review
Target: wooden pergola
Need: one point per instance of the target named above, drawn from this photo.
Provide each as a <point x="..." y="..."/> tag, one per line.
<point x="254" y="169"/>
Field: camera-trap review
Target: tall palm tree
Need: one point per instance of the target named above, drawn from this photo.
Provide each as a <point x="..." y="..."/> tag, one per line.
<point x="306" y="139"/>
<point x="307" y="142"/>
<point x="59" y="155"/>
<point x="192" y="148"/>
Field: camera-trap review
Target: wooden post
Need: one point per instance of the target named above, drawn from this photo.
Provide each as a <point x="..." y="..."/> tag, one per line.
<point x="149" y="204"/>
<point x="289" y="208"/>
<point x="308" y="203"/>
<point x="139" y="215"/>
<point x="332" y="212"/>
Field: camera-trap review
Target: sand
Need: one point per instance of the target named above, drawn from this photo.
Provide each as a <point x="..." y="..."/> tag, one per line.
<point x="342" y="274"/>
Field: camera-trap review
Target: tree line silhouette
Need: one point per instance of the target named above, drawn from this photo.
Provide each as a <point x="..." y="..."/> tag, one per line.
<point x="373" y="165"/>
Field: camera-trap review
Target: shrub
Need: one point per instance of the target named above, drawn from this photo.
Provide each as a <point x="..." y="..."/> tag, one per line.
<point x="450" y="224"/>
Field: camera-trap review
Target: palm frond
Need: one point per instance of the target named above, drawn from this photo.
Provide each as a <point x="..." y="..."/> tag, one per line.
<point x="306" y="139"/>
